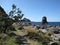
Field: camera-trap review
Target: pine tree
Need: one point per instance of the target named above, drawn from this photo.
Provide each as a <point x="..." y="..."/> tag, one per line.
<point x="44" y="20"/>
<point x="16" y="13"/>
<point x="5" y="21"/>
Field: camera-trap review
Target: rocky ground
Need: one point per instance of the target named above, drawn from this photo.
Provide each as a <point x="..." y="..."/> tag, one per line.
<point x="51" y="31"/>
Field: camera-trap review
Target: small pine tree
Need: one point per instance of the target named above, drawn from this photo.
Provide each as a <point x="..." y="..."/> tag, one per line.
<point x="44" y="22"/>
<point x="16" y="13"/>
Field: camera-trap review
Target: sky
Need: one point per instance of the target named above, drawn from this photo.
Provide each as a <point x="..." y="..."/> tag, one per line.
<point x="35" y="9"/>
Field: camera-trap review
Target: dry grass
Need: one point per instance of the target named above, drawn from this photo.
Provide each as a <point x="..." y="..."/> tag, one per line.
<point x="31" y="29"/>
<point x="32" y="42"/>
